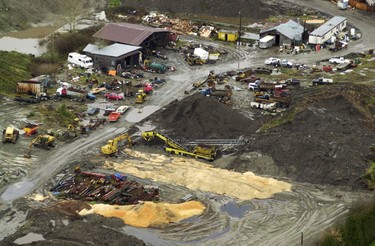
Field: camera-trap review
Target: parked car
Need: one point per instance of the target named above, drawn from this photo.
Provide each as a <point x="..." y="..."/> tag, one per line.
<point x="338" y="60"/>
<point x="114" y="96"/>
<point x="93" y="111"/>
<point x="114" y="116"/>
<point x="272" y="61"/>
<point x="91" y="96"/>
<point x="109" y="110"/>
<point x="262" y="70"/>
<point x="286" y="63"/>
<point x="322" y="81"/>
<point x="293" y="81"/>
<point x="122" y="109"/>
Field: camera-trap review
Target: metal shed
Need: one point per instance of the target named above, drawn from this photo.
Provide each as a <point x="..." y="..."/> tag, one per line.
<point x="133" y="34"/>
<point x="114" y="55"/>
<point x="287" y="33"/>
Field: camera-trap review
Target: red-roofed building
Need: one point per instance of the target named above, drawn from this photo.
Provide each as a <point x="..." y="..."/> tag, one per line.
<point x="133" y="34"/>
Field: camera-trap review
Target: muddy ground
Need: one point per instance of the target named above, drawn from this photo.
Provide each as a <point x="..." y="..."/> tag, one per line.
<point x="315" y="153"/>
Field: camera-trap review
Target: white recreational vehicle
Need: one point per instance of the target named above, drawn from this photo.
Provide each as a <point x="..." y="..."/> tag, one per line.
<point x="80" y="60"/>
<point x="267" y="41"/>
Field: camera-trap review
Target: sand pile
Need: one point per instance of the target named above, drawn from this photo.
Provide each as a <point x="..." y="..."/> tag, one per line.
<point x="148" y="214"/>
<point x="198" y="116"/>
<point x="196" y="175"/>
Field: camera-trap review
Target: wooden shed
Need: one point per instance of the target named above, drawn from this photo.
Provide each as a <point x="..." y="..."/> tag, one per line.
<point x="31" y="87"/>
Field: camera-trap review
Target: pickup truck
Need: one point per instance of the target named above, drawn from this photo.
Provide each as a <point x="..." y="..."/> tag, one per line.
<point x="114" y="116"/>
<point x="322" y="81"/>
<point x="338" y="60"/>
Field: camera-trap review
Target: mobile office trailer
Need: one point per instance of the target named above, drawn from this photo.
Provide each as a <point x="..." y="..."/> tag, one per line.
<point x="80" y="60"/>
<point x="267" y="41"/>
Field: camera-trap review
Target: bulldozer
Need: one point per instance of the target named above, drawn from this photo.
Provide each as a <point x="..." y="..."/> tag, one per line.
<point x="10" y="135"/>
<point x="140" y="97"/>
<point x="111" y="147"/>
<point x="43" y="141"/>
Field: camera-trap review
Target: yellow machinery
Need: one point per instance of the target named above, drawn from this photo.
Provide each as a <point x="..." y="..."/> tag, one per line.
<point x="10" y="135"/>
<point x="174" y="147"/>
<point x="141" y="97"/>
<point x="111" y="147"/>
<point x="43" y="141"/>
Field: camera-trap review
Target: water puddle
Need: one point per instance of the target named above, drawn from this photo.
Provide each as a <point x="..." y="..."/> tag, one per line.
<point x="16" y="190"/>
<point x="235" y="210"/>
<point x="25" y="46"/>
<point x="139" y="113"/>
<point x="29" y="238"/>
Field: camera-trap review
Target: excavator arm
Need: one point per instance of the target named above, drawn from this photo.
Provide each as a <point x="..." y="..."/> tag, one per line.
<point x="111" y="146"/>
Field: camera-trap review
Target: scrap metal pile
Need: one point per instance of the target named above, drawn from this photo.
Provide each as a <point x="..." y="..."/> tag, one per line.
<point x="111" y="189"/>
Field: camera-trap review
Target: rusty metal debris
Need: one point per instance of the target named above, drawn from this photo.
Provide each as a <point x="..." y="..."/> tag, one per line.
<point x="114" y="189"/>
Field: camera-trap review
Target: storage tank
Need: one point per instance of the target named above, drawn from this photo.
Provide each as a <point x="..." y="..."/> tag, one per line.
<point x="352" y="32"/>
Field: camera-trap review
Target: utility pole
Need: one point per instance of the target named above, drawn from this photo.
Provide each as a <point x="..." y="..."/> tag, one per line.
<point x="239" y="38"/>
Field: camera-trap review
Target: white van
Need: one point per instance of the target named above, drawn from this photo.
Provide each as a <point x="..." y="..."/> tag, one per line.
<point x="80" y="60"/>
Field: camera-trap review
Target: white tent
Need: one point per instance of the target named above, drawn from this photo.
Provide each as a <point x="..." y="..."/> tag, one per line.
<point x="201" y="53"/>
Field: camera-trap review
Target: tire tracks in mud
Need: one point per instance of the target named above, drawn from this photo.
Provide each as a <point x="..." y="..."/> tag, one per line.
<point x="276" y="221"/>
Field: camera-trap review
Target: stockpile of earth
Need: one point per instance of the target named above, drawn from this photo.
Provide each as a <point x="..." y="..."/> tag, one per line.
<point x="198" y="116"/>
<point x="328" y="142"/>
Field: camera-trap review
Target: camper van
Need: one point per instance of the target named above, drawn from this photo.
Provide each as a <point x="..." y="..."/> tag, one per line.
<point x="80" y="60"/>
<point x="266" y="42"/>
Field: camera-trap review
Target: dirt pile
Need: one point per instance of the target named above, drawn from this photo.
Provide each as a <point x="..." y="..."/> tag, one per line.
<point x="329" y="142"/>
<point x="198" y="116"/>
<point x="148" y="214"/>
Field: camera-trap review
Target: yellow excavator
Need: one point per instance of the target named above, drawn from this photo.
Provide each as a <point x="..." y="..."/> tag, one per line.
<point x="43" y="141"/>
<point x="111" y="147"/>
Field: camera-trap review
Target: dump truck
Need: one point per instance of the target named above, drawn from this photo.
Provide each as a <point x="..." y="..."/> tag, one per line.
<point x="174" y="147"/>
<point x="111" y="147"/>
<point x="10" y="135"/>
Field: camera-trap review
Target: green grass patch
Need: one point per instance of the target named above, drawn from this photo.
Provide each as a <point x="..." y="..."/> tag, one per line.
<point x="285" y="118"/>
<point x="357" y="230"/>
<point x="63" y="116"/>
<point x="14" y="67"/>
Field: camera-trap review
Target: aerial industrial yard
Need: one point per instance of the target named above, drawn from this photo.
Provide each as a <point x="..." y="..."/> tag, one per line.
<point x="194" y="123"/>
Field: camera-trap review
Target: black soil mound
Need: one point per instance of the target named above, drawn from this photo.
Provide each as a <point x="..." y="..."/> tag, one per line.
<point x="328" y="142"/>
<point x="198" y="116"/>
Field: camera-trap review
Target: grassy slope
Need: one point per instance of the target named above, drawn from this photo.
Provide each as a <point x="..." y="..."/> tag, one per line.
<point x="13" y="67"/>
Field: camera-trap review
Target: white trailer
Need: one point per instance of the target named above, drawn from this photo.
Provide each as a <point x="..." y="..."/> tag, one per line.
<point x="267" y="41"/>
<point x="80" y="60"/>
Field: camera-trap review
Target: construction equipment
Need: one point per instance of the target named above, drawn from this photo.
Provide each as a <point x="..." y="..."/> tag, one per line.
<point x="201" y="151"/>
<point x="43" y="141"/>
<point x="10" y="135"/>
<point x="111" y="147"/>
<point x="140" y="97"/>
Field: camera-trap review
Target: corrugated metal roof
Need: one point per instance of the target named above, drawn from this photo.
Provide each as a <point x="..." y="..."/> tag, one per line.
<point x="371" y="2"/>
<point x="328" y="26"/>
<point x="114" y="50"/>
<point x="249" y="35"/>
<point x="290" y="29"/>
<point x="126" y="33"/>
